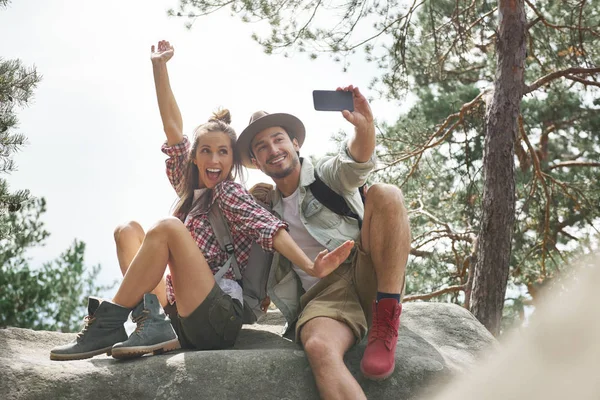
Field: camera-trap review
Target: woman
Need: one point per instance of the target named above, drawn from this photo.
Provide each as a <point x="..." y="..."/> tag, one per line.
<point x="209" y="314"/>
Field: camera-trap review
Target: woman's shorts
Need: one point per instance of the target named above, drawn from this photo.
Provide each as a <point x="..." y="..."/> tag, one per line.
<point x="214" y="324"/>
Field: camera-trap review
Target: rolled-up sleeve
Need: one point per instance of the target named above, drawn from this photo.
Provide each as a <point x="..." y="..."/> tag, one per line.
<point x="175" y="164"/>
<point x="342" y="173"/>
<point x="245" y="216"/>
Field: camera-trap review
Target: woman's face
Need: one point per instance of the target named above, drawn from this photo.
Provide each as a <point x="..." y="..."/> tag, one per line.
<point x="213" y="158"/>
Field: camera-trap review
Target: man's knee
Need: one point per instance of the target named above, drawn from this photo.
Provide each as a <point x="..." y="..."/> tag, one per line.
<point x="324" y="338"/>
<point x="317" y="346"/>
<point x="131" y="228"/>
<point x="383" y="197"/>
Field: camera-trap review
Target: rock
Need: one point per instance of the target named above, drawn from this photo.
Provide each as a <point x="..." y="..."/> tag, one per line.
<point x="556" y="356"/>
<point x="436" y="342"/>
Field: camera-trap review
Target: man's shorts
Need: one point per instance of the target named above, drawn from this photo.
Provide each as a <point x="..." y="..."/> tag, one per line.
<point x="345" y="295"/>
<point x="214" y="324"/>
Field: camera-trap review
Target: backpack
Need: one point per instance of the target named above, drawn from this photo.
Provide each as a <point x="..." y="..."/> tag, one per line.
<point x="254" y="279"/>
<point x="334" y="201"/>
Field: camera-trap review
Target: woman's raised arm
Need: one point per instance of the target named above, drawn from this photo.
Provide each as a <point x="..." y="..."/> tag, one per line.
<point x="169" y="111"/>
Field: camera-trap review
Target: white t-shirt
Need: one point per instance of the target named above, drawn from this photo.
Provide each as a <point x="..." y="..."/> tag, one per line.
<point x="291" y="215"/>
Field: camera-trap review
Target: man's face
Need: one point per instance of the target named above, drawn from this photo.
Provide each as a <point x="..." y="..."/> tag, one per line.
<point x="275" y="153"/>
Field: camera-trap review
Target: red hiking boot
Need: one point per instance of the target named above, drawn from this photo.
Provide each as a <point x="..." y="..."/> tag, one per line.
<point x="379" y="359"/>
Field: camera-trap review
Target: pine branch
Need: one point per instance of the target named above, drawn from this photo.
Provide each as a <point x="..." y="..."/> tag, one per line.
<point x="456" y="117"/>
<point x="569" y="164"/>
<point x="560" y="27"/>
<point x="583" y="81"/>
<point x="559" y="74"/>
<point x="428" y="296"/>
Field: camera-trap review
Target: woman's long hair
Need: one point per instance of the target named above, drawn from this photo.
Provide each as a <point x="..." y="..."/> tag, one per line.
<point x="219" y="122"/>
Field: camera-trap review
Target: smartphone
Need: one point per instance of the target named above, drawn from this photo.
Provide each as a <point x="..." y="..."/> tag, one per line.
<point x="333" y="100"/>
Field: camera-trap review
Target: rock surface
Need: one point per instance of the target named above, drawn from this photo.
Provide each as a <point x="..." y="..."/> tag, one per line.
<point x="437" y="341"/>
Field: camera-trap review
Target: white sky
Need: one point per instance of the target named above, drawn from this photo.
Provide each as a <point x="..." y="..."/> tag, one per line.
<point x="94" y="130"/>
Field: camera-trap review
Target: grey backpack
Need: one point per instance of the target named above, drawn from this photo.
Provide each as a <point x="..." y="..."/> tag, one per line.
<point x="255" y="276"/>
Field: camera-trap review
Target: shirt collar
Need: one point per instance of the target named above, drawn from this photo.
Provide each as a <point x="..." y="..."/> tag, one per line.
<point x="307" y="176"/>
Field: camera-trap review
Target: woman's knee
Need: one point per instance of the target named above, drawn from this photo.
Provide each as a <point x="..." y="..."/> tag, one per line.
<point x="166" y="227"/>
<point x="129" y="229"/>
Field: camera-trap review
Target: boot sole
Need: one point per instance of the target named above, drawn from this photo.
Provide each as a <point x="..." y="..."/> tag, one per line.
<point x="378" y="378"/>
<point x="138" y="351"/>
<point x="80" y="356"/>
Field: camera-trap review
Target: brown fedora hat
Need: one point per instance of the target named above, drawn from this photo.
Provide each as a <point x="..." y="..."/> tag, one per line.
<point x="261" y="120"/>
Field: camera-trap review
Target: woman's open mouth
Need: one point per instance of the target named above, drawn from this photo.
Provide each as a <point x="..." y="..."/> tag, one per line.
<point x="213" y="174"/>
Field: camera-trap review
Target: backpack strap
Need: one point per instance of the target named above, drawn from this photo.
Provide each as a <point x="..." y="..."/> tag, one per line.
<point x="332" y="200"/>
<point x="219" y="225"/>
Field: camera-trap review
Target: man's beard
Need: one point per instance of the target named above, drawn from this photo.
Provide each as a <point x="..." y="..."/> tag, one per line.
<point x="286" y="172"/>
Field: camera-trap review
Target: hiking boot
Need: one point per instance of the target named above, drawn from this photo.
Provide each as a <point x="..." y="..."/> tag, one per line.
<point x="379" y="359"/>
<point x="154" y="333"/>
<point x="104" y="326"/>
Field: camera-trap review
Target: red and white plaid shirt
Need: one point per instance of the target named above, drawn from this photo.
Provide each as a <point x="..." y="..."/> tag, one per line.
<point x="248" y="222"/>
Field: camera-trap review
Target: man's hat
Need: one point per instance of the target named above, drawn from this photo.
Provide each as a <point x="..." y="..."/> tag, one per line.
<point x="261" y="120"/>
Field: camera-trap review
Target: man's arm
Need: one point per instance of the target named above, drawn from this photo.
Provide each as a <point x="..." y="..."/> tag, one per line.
<point x="362" y="145"/>
<point x="325" y="263"/>
<point x="169" y="111"/>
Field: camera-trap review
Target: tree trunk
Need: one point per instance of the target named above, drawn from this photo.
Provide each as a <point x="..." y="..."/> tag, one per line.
<point x="502" y="113"/>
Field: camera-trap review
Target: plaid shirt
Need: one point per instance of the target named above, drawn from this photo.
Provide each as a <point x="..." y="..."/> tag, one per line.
<point x="248" y="222"/>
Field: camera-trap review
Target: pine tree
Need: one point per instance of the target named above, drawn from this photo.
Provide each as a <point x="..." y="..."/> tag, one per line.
<point x="16" y="90"/>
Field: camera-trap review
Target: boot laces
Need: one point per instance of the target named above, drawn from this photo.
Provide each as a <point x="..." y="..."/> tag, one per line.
<point x="140" y="320"/>
<point x="88" y="321"/>
<point x="383" y="326"/>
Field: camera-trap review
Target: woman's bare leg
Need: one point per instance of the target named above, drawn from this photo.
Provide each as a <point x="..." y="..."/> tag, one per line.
<point x="170" y="242"/>
<point x="129" y="238"/>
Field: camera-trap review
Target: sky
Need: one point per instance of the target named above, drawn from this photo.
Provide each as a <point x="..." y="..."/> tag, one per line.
<point x="93" y="128"/>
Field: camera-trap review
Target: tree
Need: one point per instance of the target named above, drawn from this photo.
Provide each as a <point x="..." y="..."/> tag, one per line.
<point x="50" y="297"/>
<point x="444" y="51"/>
<point x="495" y="235"/>
<point x="16" y="89"/>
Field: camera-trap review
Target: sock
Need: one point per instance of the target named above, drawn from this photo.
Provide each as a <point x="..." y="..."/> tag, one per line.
<point x="382" y="295"/>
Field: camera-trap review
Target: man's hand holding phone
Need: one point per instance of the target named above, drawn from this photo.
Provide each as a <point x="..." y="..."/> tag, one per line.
<point x="349" y="100"/>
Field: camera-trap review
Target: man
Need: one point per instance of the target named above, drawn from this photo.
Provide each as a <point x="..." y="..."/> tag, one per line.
<point x="335" y="312"/>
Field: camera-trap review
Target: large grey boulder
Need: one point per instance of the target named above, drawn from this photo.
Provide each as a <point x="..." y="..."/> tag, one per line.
<point x="437" y="341"/>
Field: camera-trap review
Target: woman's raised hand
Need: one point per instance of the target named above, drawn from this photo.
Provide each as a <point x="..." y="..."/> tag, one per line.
<point x="163" y="52"/>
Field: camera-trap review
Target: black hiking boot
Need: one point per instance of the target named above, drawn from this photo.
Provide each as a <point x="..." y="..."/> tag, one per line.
<point x="154" y="333"/>
<point x="103" y="328"/>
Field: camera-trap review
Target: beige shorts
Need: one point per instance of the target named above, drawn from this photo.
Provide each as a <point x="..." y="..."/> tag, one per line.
<point x="345" y="295"/>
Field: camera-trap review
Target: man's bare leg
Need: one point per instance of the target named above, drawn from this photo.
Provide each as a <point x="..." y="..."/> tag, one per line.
<point x="325" y="341"/>
<point x="129" y="238"/>
<point x="389" y="242"/>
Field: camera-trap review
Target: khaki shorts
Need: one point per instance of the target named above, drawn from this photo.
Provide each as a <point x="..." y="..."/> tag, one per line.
<point x="345" y="295"/>
<point x="214" y="324"/>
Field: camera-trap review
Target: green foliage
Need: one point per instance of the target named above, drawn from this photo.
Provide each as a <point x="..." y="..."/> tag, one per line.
<point x="49" y="297"/>
<point x="16" y="89"/>
<point x="558" y="208"/>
